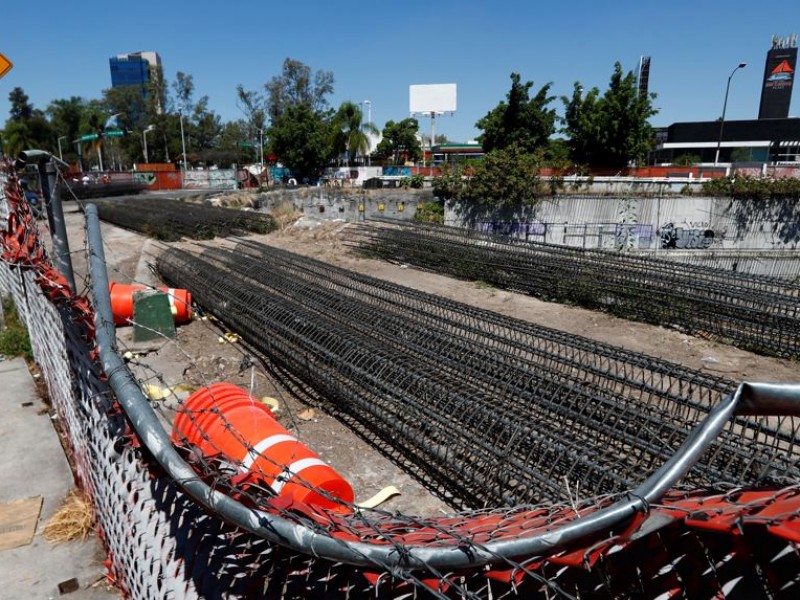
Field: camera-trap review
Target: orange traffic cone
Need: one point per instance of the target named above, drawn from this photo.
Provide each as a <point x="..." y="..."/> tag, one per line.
<point x="224" y="420"/>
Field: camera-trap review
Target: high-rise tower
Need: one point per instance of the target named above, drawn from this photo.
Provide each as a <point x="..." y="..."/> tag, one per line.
<point x="133" y="69"/>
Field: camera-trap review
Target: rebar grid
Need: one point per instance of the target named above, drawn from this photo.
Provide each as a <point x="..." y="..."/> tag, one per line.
<point x="170" y="220"/>
<point x="753" y="312"/>
<point x="489" y="410"/>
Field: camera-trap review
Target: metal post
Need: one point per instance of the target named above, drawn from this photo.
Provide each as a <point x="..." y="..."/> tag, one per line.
<point x="369" y="132"/>
<point x="144" y="138"/>
<point x="62" y="137"/>
<point x="44" y="183"/>
<point x="58" y="227"/>
<point x="261" y="149"/>
<point x="433" y="134"/>
<point x="183" y="141"/>
<point x="724" y="109"/>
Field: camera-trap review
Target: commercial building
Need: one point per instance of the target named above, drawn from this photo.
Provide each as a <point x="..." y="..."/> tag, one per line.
<point x="135" y="68"/>
<point x="772" y="138"/>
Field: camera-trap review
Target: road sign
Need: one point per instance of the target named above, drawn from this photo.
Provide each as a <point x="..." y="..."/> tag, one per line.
<point x="114" y="133"/>
<point x="5" y="65"/>
<point x="88" y="137"/>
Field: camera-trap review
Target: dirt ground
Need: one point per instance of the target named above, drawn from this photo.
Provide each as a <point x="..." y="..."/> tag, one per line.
<point x="200" y="356"/>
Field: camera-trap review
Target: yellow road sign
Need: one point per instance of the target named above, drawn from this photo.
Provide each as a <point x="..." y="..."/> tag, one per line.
<point x="5" y="65"/>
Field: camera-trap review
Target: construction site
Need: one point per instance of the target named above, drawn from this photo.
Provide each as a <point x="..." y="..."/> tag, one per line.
<point x="262" y="404"/>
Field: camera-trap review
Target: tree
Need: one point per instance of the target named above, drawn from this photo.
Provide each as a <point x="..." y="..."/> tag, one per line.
<point x="295" y="85"/>
<point x="583" y="126"/>
<point x="253" y="105"/>
<point x="400" y="142"/>
<point x="65" y="119"/>
<point x="159" y="117"/>
<point x="206" y="127"/>
<point x="229" y="149"/>
<point x="27" y="127"/>
<point x="130" y="107"/>
<point x="350" y="132"/>
<point x="300" y="137"/>
<point x="521" y="121"/>
<point x="16" y="137"/>
<point x="612" y="130"/>
<point x="183" y="88"/>
<point x="21" y="108"/>
<point x="504" y="177"/>
<point x="300" y="120"/>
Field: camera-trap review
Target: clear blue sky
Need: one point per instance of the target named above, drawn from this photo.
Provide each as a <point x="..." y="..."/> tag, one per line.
<point x="377" y="49"/>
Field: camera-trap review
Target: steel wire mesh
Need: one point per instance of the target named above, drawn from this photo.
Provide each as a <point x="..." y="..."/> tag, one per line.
<point x="752" y="312"/>
<point x="170" y="220"/>
<point x="488" y="409"/>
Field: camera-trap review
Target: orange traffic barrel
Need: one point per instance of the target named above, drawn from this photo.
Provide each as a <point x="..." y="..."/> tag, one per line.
<point x="223" y="420"/>
<point x="180" y="302"/>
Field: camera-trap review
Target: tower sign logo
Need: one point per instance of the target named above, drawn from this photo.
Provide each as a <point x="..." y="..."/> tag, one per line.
<point x="782" y="72"/>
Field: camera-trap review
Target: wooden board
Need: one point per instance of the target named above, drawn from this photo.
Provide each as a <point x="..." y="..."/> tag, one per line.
<point x="18" y="520"/>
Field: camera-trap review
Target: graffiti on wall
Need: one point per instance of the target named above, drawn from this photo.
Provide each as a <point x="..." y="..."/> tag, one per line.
<point x="397" y="171"/>
<point x="514" y="229"/>
<point x="686" y="238"/>
<point x="633" y="235"/>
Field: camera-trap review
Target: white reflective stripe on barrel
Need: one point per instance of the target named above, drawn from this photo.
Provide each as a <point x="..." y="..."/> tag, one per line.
<point x="294" y="469"/>
<point x="172" y="299"/>
<point x="254" y="454"/>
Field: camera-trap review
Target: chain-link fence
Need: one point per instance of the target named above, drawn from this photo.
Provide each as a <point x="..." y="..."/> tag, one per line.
<point x="489" y="411"/>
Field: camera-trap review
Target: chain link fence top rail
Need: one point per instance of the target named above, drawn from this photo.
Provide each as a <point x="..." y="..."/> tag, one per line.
<point x="752" y="312"/>
<point x="622" y="542"/>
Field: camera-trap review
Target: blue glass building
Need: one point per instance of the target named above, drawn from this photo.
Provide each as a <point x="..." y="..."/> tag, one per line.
<point x="133" y="69"/>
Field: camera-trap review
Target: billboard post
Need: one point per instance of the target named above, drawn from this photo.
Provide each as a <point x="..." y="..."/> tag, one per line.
<point x="432" y="99"/>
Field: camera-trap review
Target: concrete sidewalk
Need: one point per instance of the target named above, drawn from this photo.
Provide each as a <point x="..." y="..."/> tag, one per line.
<point x="32" y="463"/>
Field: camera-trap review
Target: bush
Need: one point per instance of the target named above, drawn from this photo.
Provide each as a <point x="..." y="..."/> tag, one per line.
<point x="746" y="187"/>
<point x="417" y="181"/>
<point x="14" y="340"/>
<point x="686" y="160"/>
<point x="430" y="212"/>
<point x="449" y="184"/>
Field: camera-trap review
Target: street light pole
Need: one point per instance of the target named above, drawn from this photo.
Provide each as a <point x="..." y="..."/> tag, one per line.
<point x="60" y="156"/>
<point x="724" y="108"/>
<point x="368" y="104"/>
<point x="183" y="141"/>
<point x="261" y="149"/>
<point x="144" y="138"/>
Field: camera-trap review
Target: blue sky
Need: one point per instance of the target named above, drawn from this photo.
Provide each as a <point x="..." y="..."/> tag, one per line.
<point x="377" y="49"/>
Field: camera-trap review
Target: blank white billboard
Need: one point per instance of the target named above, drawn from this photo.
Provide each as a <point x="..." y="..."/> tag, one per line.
<point x="432" y="98"/>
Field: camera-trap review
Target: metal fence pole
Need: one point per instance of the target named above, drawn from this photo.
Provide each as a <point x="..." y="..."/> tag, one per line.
<point x="58" y="227"/>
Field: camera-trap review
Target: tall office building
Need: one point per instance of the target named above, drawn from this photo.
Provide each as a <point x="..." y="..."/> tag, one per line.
<point x="133" y="69"/>
<point x="776" y="91"/>
<point x="643" y="76"/>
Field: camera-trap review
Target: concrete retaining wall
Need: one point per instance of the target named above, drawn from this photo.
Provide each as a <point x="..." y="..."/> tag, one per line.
<point x="751" y="236"/>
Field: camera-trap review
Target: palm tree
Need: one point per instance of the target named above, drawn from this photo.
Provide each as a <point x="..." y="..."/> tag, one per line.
<point x="350" y="133"/>
<point x="16" y="137"/>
